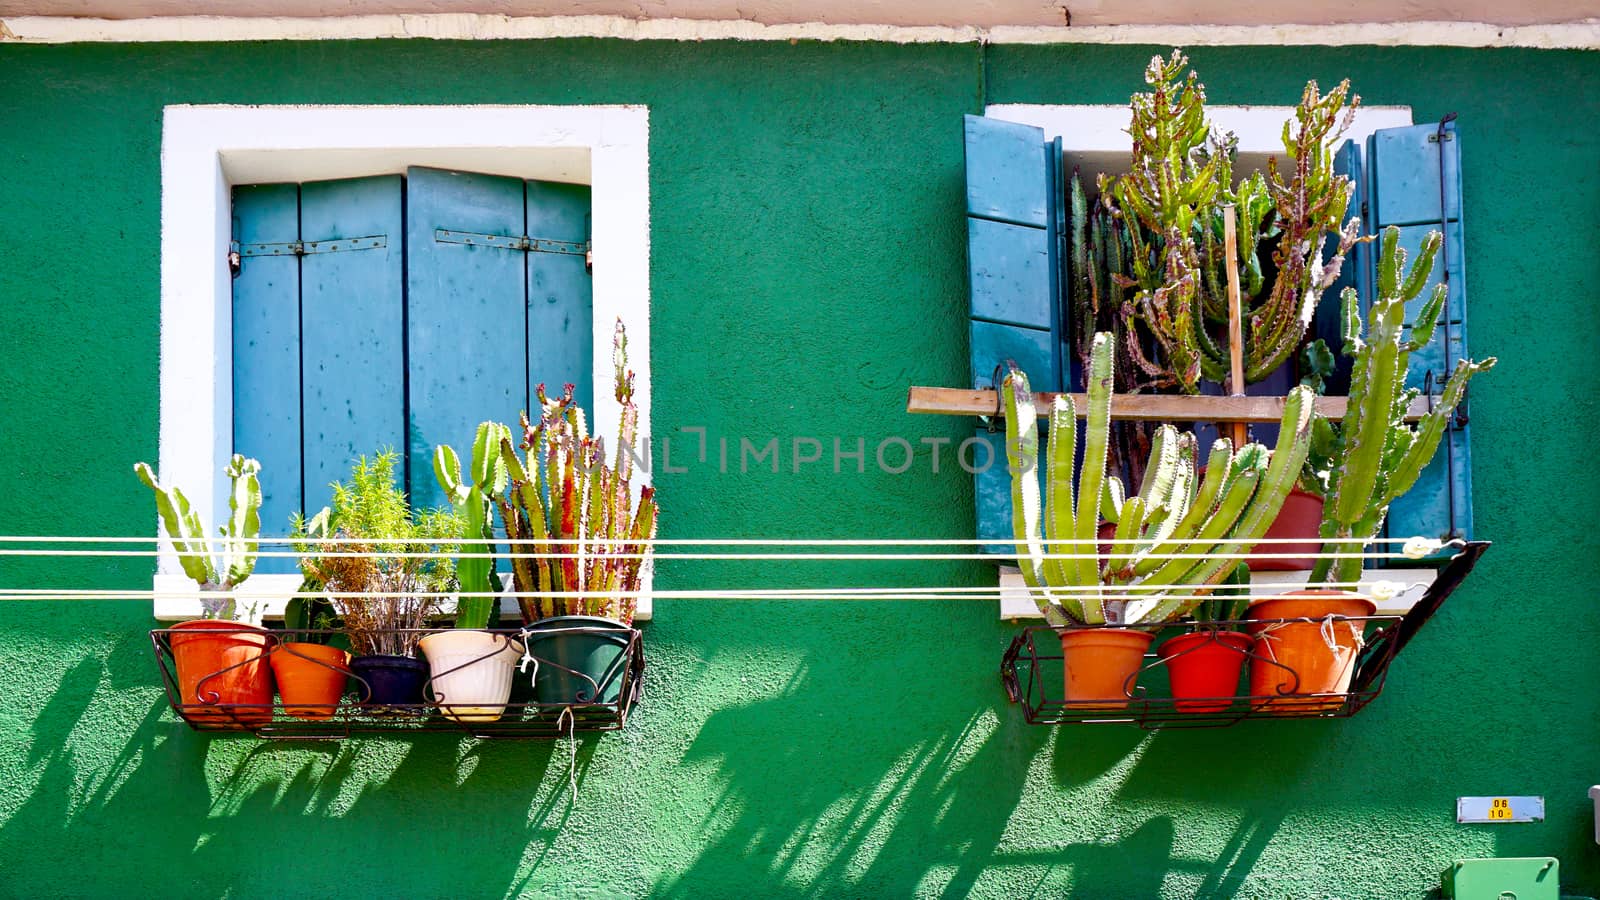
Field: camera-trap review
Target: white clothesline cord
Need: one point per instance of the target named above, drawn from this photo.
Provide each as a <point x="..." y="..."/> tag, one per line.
<point x="667" y="542"/>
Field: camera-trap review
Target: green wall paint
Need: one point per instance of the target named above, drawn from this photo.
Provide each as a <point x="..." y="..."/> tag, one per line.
<point x="807" y="265"/>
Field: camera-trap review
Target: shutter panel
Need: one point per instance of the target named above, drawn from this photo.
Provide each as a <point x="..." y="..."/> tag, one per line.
<point x="466" y="313"/>
<point x="266" y="352"/>
<point x="560" y="293"/>
<point x="1013" y="259"/>
<point x="1357" y="272"/>
<point x="1406" y="169"/>
<point x="352" y="310"/>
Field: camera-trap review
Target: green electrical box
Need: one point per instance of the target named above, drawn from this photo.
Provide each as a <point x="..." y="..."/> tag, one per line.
<point x="1516" y="878"/>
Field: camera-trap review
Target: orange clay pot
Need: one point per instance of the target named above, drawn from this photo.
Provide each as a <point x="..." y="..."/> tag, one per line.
<point x="1300" y="517"/>
<point x="311" y="678"/>
<point x="202" y="650"/>
<point x="1204" y="668"/>
<point x="1314" y="657"/>
<point x="1102" y="665"/>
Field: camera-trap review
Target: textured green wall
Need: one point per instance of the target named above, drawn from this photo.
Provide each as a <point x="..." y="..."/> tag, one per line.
<point x="807" y="265"/>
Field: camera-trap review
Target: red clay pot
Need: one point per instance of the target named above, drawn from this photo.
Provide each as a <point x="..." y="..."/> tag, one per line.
<point x="311" y="678"/>
<point x="1204" y="668"/>
<point x="1301" y="518"/>
<point x="1313" y="657"/>
<point x="202" y="650"/>
<point x="1102" y="665"/>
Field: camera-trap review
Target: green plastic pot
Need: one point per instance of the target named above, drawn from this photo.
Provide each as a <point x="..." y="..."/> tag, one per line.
<point x="563" y="643"/>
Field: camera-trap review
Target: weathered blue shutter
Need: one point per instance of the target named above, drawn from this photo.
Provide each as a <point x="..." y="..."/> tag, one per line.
<point x="498" y="300"/>
<point x="352" y="305"/>
<point x="466" y="312"/>
<point x="1013" y="234"/>
<point x="266" y="349"/>
<point x="1414" y="176"/>
<point x="560" y="291"/>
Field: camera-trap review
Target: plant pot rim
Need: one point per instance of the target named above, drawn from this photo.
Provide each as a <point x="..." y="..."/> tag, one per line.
<point x="1218" y="635"/>
<point x="220" y="624"/>
<point x="385" y="659"/>
<point x="537" y="623"/>
<point x="1313" y="595"/>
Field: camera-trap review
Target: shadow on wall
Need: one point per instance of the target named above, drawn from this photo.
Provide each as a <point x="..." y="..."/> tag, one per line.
<point x="850" y="771"/>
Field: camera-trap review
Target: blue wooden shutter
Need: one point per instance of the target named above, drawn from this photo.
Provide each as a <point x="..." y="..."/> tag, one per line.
<point x="1406" y="169"/>
<point x="498" y="300"/>
<point x="560" y="291"/>
<point x="353" y="343"/>
<point x="1013" y="235"/>
<point x="466" y="312"/>
<point x="266" y="349"/>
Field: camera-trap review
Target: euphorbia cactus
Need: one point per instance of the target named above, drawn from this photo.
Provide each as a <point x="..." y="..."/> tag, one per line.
<point x="1374" y="456"/>
<point x="1169" y="213"/>
<point x="1165" y="555"/>
<point x="472" y="500"/>
<point x="566" y="492"/>
<point x="228" y="568"/>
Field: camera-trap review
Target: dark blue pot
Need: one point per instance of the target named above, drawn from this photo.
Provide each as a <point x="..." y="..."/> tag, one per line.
<point x="393" y="680"/>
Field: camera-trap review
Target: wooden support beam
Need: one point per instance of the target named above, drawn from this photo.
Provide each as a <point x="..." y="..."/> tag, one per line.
<point x="1137" y="407"/>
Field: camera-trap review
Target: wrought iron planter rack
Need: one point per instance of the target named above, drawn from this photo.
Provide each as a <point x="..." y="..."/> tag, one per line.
<point x="521" y="717"/>
<point x="1032" y="671"/>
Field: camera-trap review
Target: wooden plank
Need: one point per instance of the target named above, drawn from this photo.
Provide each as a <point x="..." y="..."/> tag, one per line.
<point x="466" y="316"/>
<point x="354" y="348"/>
<point x="1135" y="407"/>
<point x="266" y="353"/>
<point x="560" y="294"/>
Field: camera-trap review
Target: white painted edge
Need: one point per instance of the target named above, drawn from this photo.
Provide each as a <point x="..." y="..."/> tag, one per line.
<point x="178" y="599"/>
<point x="1582" y="35"/>
<point x="1015" y="602"/>
<point x="196" y="424"/>
<point x="1103" y="128"/>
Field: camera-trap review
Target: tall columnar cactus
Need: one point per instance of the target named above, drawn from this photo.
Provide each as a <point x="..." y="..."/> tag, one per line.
<point x="473" y="502"/>
<point x="1373" y="455"/>
<point x="1168" y="536"/>
<point x="565" y="492"/>
<point x="235" y="559"/>
<point x="1170" y="209"/>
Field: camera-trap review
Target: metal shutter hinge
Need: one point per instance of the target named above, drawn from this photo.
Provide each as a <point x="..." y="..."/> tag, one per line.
<point x="517" y="242"/>
<point x="237" y="251"/>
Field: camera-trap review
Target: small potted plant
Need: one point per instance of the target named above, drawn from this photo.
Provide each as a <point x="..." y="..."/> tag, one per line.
<point x="1174" y="541"/>
<point x="312" y="669"/>
<point x="1361" y="465"/>
<point x="578" y="606"/>
<point x="221" y="664"/>
<point x="472" y="667"/>
<point x="385" y="579"/>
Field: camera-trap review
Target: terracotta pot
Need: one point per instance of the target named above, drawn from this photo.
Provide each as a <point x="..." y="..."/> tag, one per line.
<point x="1301" y="518"/>
<point x="1102" y="665"/>
<point x="471" y="673"/>
<point x="1204" y="668"/>
<point x="311" y="678"/>
<point x="222" y="671"/>
<point x="1294" y="659"/>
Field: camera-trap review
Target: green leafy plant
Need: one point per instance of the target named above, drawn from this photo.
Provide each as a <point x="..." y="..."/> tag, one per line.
<point x="473" y="500"/>
<point x="390" y="550"/>
<point x="1164" y="237"/>
<point x="1373" y="456"/>
<point x="564" y="492"/>
<point x="1175" y="540"/>
<point x="232" y="562"/>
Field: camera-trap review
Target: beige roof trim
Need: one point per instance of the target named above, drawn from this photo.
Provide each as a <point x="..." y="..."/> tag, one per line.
<point x="463" y="26"/>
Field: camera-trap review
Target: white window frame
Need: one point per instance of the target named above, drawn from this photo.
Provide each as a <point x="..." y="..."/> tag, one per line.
<point x="1097" y="136"/>
<point x="206" y="150"/>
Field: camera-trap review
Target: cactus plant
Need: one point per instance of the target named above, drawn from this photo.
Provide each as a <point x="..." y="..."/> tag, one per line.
<point x="473" y="503"/>
<point x="226" y="569"/>
<point x="1167" y="243"/>
<point x="564" y="491"/>
<point x="1373" y="456"/>
<point x="1175" y="539"/>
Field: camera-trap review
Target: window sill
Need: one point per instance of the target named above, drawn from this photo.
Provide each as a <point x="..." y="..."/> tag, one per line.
<point x="1016" y="604"/>
<point x="177" y="599"/>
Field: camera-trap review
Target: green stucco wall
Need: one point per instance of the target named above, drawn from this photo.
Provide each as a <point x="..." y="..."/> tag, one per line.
<point x="807" y="265"/>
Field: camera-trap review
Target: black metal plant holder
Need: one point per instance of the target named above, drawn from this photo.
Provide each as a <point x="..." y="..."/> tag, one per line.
<point x="1032" y="670"/>
<point x="519" y="718"/>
